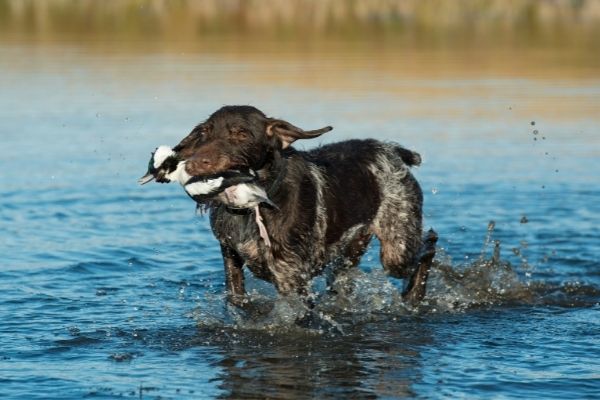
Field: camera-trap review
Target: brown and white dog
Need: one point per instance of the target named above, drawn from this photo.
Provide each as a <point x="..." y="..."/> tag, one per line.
<point x="324" y="205"/>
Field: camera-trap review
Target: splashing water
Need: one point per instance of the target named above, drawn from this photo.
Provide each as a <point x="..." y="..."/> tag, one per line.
<point x="365" y="296"/>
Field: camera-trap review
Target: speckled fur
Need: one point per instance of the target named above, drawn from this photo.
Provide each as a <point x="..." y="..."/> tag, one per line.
<point x="330" y="201"/>
<point x="398" y="223"/>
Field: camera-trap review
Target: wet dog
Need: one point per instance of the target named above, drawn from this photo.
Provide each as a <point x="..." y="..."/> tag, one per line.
<point x="329" y="203"/>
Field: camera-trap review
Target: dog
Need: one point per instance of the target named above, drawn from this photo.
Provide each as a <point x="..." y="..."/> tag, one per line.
<point x="326" y="203"/>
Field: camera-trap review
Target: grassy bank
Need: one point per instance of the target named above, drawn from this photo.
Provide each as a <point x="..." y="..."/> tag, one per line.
<point x="429" y="23"/>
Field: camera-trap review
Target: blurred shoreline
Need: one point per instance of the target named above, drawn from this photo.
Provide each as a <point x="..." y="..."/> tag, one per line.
<point x="409" y="23"/>
<point x="344" y="43"/>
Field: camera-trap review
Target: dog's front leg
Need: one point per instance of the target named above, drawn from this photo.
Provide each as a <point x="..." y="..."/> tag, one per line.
<point x="234" y="275"/>
<point x="291" y="280"/>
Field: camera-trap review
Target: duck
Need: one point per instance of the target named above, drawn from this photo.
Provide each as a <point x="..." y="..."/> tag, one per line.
<point x="234" y="188"/>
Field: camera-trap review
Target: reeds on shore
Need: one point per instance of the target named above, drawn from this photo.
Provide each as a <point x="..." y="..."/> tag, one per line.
<point x="423" y="22"/>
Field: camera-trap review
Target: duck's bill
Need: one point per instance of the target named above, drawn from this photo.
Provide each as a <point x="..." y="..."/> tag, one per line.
<point x="145" y="179"/>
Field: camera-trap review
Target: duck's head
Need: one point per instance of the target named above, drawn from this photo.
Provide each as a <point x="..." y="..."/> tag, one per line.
<point x="163" y="163"/>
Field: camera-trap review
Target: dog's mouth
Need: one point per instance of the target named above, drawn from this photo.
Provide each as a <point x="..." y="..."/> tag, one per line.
<point x="208" y="187"/>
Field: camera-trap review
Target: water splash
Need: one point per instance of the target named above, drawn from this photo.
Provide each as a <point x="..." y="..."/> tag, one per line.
<point x="360" y="296"/>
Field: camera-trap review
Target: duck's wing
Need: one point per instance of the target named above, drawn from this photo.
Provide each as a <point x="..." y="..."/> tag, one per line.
<point x="198" y="186"/>
<point x="260" y="195"/>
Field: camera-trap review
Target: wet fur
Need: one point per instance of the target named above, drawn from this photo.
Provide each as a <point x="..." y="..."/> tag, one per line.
<point x="331" y="201"/>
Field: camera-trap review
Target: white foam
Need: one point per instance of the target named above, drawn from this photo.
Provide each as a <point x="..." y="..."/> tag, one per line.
<point x="161" y="154"/>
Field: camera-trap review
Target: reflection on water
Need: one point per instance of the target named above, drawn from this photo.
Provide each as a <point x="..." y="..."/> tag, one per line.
<point x="112" y="290"/>
<point x="319" y="367"/>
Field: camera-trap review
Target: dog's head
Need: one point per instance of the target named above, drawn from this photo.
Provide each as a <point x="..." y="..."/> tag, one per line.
<point x="238" y="137"/>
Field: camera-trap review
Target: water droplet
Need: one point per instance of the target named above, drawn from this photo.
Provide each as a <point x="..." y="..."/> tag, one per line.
<point x="434" y="190"/>
<point x="524" y="219"/>
<point x="535" y="131"/>
<point x="74" y="331"/>
<point x="120" y="357"/>
<point x="532" y="123"/>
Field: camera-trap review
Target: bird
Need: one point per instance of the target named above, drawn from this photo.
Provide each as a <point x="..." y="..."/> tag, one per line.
<point x="235" y="188"/>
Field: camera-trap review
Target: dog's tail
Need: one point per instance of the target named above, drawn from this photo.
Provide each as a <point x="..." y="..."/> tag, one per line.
<point x="410" y="158"/>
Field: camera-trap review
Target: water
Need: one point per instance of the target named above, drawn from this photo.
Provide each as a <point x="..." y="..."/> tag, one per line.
<point x="108" y="289"/>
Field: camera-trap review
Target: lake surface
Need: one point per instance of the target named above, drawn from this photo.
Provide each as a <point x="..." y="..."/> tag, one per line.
<point x="109" y="289"/>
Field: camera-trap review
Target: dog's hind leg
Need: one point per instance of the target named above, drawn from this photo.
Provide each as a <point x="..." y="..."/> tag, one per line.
<point x="350" y="258"/>
<point x="398" y="223"/>
<point x="356" y="249"/>
<point x="399" y="247"/>
<point x="415" y="290"/>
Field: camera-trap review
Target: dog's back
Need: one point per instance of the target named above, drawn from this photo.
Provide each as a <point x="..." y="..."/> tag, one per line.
<point x="368" y="189"/>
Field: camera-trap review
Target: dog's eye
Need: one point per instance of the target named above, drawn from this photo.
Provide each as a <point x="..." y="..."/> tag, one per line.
<point x="238" y="134"/>
<point x="204" y="130"/>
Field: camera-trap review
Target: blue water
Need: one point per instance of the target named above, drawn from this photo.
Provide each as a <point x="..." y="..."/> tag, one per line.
<point x="108" y="289"/>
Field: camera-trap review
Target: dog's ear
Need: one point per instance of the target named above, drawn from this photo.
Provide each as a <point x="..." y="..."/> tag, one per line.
<point x="289" y="133"/>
